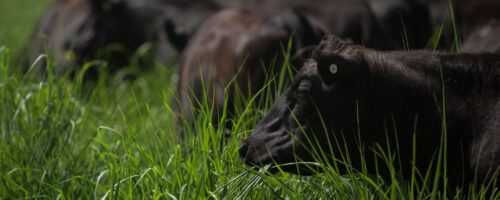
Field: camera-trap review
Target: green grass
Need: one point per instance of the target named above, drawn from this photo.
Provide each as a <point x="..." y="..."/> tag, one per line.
<point x="60" y="139"/>
<point x="18" y="19"/>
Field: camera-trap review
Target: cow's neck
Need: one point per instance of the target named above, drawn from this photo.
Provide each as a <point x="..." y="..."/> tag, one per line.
<point x="416" y="78"/>
<point x="425" y="72"/>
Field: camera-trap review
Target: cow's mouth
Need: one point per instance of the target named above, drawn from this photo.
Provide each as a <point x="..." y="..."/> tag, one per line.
<point x="272" y="164"/>
<point x="280" y="150"/>
<point x="264" y="149"/>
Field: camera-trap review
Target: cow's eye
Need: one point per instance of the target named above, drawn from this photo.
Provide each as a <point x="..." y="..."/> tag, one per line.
<point x="333" y="68"/>
<point x="328" y="70"/>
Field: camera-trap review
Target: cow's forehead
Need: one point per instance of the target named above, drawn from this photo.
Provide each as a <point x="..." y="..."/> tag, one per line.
<point x="331" y="45"/>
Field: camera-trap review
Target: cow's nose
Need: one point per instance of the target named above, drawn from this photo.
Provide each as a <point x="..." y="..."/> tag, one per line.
<point x="243" y="149"/>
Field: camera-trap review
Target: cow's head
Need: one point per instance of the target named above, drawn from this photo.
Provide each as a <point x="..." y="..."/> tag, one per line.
<point x="79" y="30"/>
<point x="322" y="97"/>
<point x="107" y="23"/>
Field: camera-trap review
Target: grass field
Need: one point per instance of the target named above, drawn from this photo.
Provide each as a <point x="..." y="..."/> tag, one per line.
<point x="17" y="20"/>
<point x="60" y="140"/>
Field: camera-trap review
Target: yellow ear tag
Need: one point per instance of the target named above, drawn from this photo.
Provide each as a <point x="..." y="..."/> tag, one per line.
<point x="69" y="55"/>
<point x="333" y="68"/>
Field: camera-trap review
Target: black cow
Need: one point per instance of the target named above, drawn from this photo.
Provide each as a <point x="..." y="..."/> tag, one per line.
<point x="76" y="31"/>
<point x="237" y="42"/>
<point x="366" y="97"/>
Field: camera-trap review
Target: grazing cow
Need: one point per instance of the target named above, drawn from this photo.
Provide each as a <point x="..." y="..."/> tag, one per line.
<point x="75" y="30"/>
<point x="79" y="30"/>
<point x="237" y="42"/>
<point x="348" y="94"/>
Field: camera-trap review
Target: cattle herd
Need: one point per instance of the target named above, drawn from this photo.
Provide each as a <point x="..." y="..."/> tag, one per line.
<point x="356" y="81"/>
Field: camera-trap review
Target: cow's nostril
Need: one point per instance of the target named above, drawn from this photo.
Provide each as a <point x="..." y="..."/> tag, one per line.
<point x="243" y="150"/>
<point x="273" y="125"/>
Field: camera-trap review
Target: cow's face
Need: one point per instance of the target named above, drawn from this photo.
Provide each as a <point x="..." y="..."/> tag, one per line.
<point x="322" y="97"/>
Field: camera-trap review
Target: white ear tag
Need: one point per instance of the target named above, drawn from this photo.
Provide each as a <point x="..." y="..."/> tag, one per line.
<point x="333" y="68"/>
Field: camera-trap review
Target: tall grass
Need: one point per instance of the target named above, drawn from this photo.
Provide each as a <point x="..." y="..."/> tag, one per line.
<point x="117" y="141"/>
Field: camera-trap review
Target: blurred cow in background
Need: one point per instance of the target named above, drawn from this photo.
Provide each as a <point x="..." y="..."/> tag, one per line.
<point x="476" y="23"/>
<point x="381" y="24"/>
<point x="75" y="31"/>
<point x="481" y="22"/>
<point x="238" y="42"/>
<point x="484" y="38"/>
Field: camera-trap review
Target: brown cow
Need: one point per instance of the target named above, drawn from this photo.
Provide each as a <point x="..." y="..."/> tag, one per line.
<point x="237" y="42"/>
<point x="362" y="97"/>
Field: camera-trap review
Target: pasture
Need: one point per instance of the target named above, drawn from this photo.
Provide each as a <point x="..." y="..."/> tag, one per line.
<point x="115" y="139"/>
